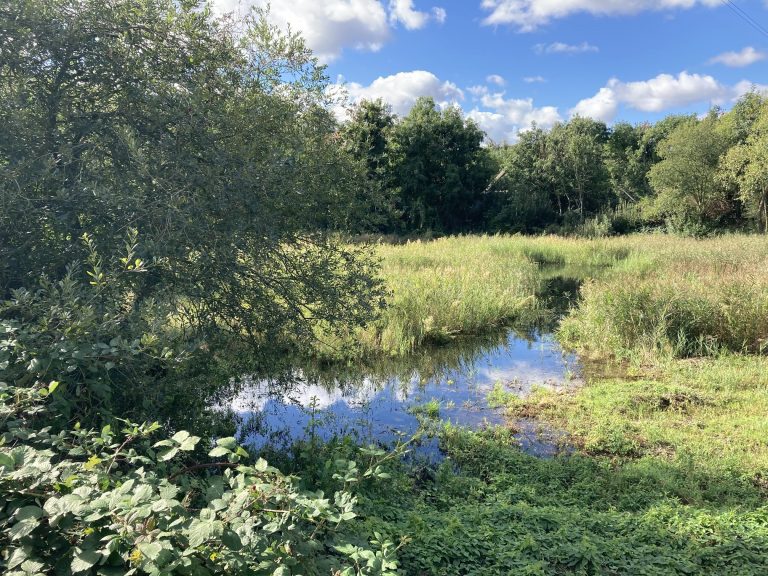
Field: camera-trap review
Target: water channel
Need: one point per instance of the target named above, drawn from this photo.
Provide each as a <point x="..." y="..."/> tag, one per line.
<point x="382" y="404"/>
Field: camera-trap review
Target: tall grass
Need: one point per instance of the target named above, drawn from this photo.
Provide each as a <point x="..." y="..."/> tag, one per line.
<point x="676" y="297"/>
<point x="450" y="286"/>
<point x="644" y="294"/>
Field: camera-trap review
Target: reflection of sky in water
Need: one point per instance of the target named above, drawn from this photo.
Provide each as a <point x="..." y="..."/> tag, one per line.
<point x="378" y="409"/>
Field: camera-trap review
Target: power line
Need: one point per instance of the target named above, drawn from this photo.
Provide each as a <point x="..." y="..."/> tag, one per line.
<point x="746" y="17"/>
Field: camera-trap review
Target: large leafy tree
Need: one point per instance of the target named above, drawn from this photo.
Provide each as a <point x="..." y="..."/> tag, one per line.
<point x="522" y="201"/>
<point x="208" y="140"/>
<point x="688" y="191"/>
<point x="440" y="169"/>
<point x="575" y="166"/>
<point x="746" y="165"/>
<point x="367" y="136"/>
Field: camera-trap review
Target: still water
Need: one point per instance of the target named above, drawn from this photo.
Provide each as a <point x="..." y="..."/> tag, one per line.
<point x="382" y="403"/>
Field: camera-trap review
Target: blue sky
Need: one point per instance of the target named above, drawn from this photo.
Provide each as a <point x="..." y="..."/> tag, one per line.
<point x="509" y="63"/>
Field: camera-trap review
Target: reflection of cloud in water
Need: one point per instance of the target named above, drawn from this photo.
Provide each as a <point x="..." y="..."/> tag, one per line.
<point x="256" y="395"/>
<point x="373" y="407"/>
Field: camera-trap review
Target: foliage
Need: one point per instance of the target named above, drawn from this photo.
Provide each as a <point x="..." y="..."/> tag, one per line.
<point x="491" y="509"/>
<point x="746" y="164"/>
<point x="439" y="292"/>
<point x="367" y="136"/>
<point x="440" y="169"/>
<point x="213" y="141"/>
<point x="570" y="179"/>
<point x="685" y="181"/>
<point x="675" y="298"/>
<point x="86" y="501"/>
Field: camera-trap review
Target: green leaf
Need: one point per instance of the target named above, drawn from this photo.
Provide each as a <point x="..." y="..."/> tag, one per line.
<point x="231" y="540"/>
<point x="189" y="443"/>
<point x="166" y="455"/>
<point x="7" y="462"/>
<point x="150" y="549"/>
<point x="180" y="436"/>
<point x="200" y="532"/>
<point x="28" y="512"/>
<point x="23" y="528"/>
<point x="219" y="451"/>
<point x="230" y="443"/>
<point x="84" y="560"/>
<point x="32" y="566"/>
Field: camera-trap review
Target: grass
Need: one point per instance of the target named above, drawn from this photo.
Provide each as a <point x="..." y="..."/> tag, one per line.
<point x="670" y="473"/>
<point x="644" y="294"/>
<point x="676" y="298"/>
<point x="445" y="288"/>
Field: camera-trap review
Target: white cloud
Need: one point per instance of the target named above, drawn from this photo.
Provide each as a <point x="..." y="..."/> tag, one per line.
<point x="506" y="118"/>
<point x="495" y="79"/>
<point x="563" y="48"/>
<point x="439" y="14"/>
<point x="401" y="90"/>
<point x="403" y="11"/>
<point x="534" y="79"/>
<point x="740" y="59"/>
<point x="528" y="15"/>
<point x="602" y="106"/>
<point x="329" y="26"/>
<point x="664" y="92"/>
<point x="478" y="91"/>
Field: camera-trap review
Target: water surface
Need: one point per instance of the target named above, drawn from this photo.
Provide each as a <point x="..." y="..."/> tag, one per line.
<point x="383" y="403"/>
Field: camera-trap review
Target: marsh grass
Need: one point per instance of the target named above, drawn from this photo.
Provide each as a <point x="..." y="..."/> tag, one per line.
<point x="642" y="294"/>
<point x="675" y="297"/>
<point x="448" y="287"/>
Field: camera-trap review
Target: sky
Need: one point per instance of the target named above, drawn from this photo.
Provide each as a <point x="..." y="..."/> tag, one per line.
<point x="511" y="63"/>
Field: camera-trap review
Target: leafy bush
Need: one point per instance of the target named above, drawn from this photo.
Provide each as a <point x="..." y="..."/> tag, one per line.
<point x="114" y="502"/>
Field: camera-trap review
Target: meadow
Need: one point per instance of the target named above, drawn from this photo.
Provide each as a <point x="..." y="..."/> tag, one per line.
<point x="667" y="466"/>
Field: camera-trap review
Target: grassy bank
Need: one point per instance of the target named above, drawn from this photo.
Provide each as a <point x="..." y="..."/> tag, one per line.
<point x="645" y="294"/>
<point x="669" y="469"/>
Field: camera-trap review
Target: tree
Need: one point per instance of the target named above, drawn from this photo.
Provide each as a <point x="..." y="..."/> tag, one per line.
<point x="213" y="142"/>
<point x="575" y="166"/>
<point x="746" y="165"/>
<point x="440" y="169"/>
<point x="627" y="163"/>
<point x="685" y="180"/>
<point x="522" y="194"/>
<point x="367" y="137"/>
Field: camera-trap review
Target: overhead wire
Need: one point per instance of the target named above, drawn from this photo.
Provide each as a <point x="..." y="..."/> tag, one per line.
<point x="741" y="13"/>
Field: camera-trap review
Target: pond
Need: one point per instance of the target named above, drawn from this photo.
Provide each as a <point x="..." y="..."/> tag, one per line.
<point x="384" y="403"/>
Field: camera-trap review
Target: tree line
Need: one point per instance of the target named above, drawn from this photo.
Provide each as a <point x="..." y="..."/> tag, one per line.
<point x="430" y="171"/>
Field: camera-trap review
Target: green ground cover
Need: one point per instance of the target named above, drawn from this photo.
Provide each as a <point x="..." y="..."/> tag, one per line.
<point x="667" y="471"/>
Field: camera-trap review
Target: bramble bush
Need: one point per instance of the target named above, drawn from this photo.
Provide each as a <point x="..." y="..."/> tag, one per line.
<point x="86" y="492"/>
<point x="88" y="501"/>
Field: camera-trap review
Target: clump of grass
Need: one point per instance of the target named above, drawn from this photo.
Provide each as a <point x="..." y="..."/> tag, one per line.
<point x="448" y="287"/>
<point x="429" y="409"/>
<point x="679" y="298"/>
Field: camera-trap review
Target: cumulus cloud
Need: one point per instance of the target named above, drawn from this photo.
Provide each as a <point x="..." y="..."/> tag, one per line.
<point x="402" y="11"/>
<point x="495" y="79"/>
<point x="528" y="15"/>
<point x="534" y="79"/>
<point x="602" y="106"/>
<point x="740" y="59"/>
<point x="401" y="90"/>
<point x="563" y="48"/>
<point x="478" y="91"/>
<point x="504" y="118"/>
<point x="330" y="26"/>
<point x="664" y="92"/>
